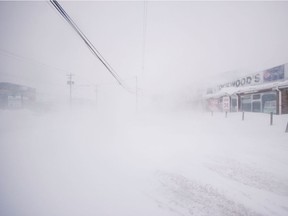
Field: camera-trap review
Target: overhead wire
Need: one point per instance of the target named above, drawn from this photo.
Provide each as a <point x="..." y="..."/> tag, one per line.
<point x="29" y="60"/>
<point x="92" y="48"/>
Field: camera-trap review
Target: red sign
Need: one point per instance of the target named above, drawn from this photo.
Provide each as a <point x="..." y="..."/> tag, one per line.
<point x="226" y="103"/>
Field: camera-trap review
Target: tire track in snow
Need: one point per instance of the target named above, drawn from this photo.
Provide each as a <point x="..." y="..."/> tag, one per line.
<point x="187" y="197"/>
<point x="250" y="176"/>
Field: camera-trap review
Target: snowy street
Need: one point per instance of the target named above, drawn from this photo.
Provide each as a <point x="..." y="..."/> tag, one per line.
<point x="143" y="108"/>
<point x="83" y="163"/>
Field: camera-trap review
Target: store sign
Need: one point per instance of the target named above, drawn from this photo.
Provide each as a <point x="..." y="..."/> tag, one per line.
<point x="213" y="104"/>
<point x="244" y="81"/>
<point x="273" y="74"/>
<point x="270" y="75"/>
<point x="226" y="103"/>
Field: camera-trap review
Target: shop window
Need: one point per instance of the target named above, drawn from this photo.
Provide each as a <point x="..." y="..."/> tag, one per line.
<point x="246" y="97"/>
<point x="234" y="102"/>
<point x="246" y="103"/>
<point x="246" y="107"/>
<point x="234" y="105"/>
<point x="269" y="97"/>
<point x="256" y="106"/>
<point x="256" y="96"/>
<point x="269" y="103"/>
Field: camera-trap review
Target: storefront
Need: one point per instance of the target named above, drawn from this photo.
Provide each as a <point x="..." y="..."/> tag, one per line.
<point x="265" y="102"/>
<point x="264" y="92"/>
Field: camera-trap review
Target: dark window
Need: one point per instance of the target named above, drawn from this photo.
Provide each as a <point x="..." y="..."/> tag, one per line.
<point x="269" y="103"/>
<point x="246" y="103"/>
<point x="246" y="107"/>
<point x="257" y="96"/>
<point x="269" y="97"/>
<point x="246" y="97"/>
<point x="234" y="102"/>
<point x="256" y="106"/>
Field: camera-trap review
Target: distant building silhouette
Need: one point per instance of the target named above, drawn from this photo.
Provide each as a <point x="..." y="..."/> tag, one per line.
<point x="14" y="96"/>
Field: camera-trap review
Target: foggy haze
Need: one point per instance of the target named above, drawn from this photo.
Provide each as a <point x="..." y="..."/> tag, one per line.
<point x="75" y="142"/>
<point x="186" y="43"/>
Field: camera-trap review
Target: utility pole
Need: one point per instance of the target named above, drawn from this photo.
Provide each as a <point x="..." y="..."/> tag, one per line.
<point x="70" y="82"/>
<point x="96" y="92"/>
<point x="136" y="92"/>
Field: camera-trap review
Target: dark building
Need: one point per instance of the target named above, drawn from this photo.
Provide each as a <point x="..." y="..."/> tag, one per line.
<point x="14" y="96"/>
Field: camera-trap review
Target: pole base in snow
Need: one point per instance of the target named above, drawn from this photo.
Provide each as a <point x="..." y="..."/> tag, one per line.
<point x="287" y="128"/>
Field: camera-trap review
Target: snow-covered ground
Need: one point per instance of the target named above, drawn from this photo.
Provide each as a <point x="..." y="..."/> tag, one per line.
<point x="84" y="163"/>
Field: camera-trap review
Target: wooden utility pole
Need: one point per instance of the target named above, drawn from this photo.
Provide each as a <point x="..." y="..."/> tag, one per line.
<point x="96" y="98"/>
<point x="136" y="93"/>
<point x="70" y="82"/>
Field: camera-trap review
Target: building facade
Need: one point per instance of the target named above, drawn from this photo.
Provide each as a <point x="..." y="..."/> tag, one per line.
<point x="265" y="92"/>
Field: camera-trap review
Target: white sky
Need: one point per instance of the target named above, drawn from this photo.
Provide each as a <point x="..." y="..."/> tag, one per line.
<point x="186" y="42"/>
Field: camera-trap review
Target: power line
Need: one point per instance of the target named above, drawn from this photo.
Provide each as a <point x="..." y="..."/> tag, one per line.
<point x="29" y="60"/>
<point x="87" y="42"/>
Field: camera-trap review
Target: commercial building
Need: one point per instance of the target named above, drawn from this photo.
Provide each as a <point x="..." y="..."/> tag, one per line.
<point x="265" y="91"/>
<point x="14" y="96"/>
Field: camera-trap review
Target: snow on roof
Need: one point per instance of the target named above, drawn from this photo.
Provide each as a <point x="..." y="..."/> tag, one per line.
<point x="247" y="89"/>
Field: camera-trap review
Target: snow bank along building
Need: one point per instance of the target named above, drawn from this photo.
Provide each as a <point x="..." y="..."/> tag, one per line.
<point x="13" y="96"/>
<point x="265" y="91"/>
